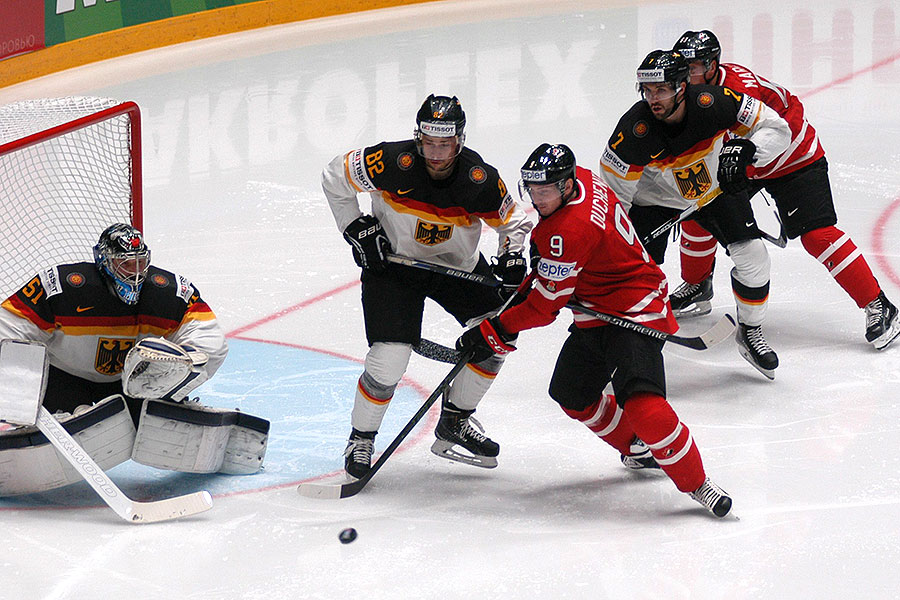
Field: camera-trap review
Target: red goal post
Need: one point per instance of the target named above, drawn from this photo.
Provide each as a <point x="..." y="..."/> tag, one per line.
<point x="69" y="168"/>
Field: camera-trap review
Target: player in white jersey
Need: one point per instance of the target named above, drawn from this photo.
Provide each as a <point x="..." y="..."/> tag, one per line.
<point x="127" y="343"/>
<point x="666" y="156"/>
<point x="430" y="197"/>
<point x="798" y="183"/>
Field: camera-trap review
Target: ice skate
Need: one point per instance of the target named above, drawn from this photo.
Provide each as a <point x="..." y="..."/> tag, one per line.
<point x="713" y="498"/>
<point x="882" y="322"/>
<point x="639" y="456"/>
<point x="455" y="430"/>
<point x="692" y="299"/>
<point x="358" y="453"/>
<point x="756" y="350"/>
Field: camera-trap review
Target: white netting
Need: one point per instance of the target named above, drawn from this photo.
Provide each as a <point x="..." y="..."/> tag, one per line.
<point x="59" y="194"/>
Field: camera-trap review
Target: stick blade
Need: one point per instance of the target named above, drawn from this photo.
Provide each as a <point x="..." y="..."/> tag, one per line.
<point x="332" y="491"/>
<point x="719" y="332"/>
<point x="171" y="508"/>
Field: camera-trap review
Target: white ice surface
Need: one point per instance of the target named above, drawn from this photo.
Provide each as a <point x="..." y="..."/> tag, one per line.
<point x="236" y="132"/>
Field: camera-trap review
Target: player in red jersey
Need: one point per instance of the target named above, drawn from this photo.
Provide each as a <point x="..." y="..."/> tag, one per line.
<point x="798" y="182"/>
<point x="585" y="248"/>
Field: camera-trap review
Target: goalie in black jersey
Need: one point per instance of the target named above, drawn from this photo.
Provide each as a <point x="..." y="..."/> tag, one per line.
<point x="430" y="197"/>
<point x="127" y="342"/>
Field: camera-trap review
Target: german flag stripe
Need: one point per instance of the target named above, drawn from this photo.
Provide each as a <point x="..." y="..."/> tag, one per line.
<point x="455" y="215"/>
<point x="371" y="398"/>
<point x="22" y="310"/>
<point x="698" y="151"/>
<point x="634" y="172"/>
<point x="481" y="372"/>
<point x="347" y="173"/>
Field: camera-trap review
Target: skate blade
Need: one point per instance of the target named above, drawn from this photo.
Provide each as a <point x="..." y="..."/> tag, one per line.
<point x="449" y="451"/>
<point x="770" y="373"/>
<point x="697" y="309"/>
<point x="887" y="338"/>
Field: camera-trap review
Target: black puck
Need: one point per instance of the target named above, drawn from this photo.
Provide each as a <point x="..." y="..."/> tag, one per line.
<point x="347" y="535"/>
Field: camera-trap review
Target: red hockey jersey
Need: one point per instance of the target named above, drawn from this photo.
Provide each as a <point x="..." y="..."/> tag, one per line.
<point x="589" y="252"/>
<point x="804" y="147"/>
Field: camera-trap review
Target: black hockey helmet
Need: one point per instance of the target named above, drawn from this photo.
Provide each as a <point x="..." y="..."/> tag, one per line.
<point x="123" y="258"/>
<point x="549" y="163"/>
<point x="663" y="66"/>
<point x="699" y="45"/>
<point x="441" y="116"/>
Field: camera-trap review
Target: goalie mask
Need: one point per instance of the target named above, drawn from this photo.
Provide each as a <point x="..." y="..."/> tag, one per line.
<point x="123" y="258"/>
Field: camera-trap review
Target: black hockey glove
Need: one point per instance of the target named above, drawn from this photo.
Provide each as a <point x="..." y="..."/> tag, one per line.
<point x="370" y="244"/>
<point x="510" y="270"/>
<point x="488" y="339"/>
<point x="735" y="157"/>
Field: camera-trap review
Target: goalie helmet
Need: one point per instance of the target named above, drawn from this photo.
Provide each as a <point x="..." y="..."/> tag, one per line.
<point x="442" y="117"/>
<point x="549" y="164"/>
<point x="699" y="45"/>
<point x="123" y="258"/>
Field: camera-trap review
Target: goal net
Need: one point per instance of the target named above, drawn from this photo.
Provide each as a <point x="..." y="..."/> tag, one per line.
<point x="69" y="168"/>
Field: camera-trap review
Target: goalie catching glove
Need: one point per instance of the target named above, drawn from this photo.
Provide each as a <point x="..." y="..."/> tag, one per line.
<point x="487" y="339"/>
<point x="158" y="368"/>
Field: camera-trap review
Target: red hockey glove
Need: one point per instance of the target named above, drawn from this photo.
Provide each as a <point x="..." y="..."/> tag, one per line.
<point x="487" y="339"/>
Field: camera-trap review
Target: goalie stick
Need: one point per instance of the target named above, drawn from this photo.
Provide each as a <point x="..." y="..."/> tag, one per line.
<point x="130" y="510"/>
<point x="25" y="365"/>
<point x="351" y="488"/>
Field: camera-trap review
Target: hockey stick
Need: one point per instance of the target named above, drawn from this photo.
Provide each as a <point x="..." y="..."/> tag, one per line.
<point x="130" y="510"/>
<point x="25" y="365"/>
<point x="435" y="268"/>
<point x="719" y="332"/>
<point x="682" y="216"/>
<point x="782" y="239"/>
<point x="351" y="488"/>
<point x="716" y="334"/>
<point x="433" y="350"/>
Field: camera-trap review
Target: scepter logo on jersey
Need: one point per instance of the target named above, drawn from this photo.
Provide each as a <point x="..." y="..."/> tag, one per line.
<point x="111" y="355"/>
<point x="693" y="181"/>
<point x="432" y="234"/>
<point x="555" y="270"/>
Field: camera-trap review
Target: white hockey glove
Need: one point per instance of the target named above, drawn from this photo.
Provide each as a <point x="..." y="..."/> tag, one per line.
<point x="158" y="368"/>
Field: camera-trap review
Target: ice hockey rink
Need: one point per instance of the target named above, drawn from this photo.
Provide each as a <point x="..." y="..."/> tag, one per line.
<point x="236" y="131"/>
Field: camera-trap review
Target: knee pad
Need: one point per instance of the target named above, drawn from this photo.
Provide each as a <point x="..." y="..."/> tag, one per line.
<point x="751" y="262"/>
<point x="386" y="363"/>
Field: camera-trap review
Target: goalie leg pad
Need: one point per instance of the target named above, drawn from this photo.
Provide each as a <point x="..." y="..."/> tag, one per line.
<point x="199" y="439"/>
<point x="30" y="464"/>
